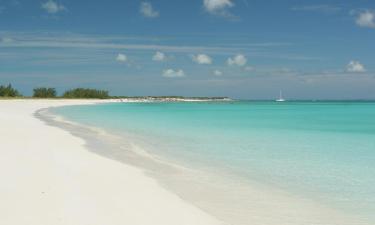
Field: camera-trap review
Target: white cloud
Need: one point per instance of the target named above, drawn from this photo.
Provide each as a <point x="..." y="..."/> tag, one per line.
<point x="355" y="67"/>
<point x="366" y="19"/>
<point x="117" y="43"/>
<point x="53" y="7"/>
<point x="6" y="40"/>
<point x="170" y="73"/>
<point x="159" y="56"/>
<point x="218" y="73"/>
<point x="217" y="7"/>
<point x="121" y="58"/>
<point x="147" y="10"/>
<point x="202" y="59"/>
<point x="238" y="60"/>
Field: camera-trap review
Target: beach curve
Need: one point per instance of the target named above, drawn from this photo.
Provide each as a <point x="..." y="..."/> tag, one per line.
<point x="48" y="177"/>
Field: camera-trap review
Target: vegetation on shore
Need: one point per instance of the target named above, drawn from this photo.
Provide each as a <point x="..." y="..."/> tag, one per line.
<point x="48" y="92"/>
<point x="45" y="93"/>
<point x="8" y="91"/>
<point x="85" y="93"/>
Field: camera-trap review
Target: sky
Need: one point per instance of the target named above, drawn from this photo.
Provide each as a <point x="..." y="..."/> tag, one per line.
<point x="245" y="49"/>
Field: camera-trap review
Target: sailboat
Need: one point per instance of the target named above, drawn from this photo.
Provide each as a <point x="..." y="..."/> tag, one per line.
<point x="280" y="99"/>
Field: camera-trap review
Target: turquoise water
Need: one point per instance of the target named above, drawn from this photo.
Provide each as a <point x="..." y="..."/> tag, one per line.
<point x="323" y="150"/>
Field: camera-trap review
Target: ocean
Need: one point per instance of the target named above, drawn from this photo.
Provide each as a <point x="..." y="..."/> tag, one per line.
<point x="323" y="152"/>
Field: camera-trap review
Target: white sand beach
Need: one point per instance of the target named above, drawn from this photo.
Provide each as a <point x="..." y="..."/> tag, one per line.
<point x="49" y="177"/>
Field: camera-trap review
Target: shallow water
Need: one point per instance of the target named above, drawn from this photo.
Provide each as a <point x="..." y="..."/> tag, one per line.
<point x="319" y="151"/>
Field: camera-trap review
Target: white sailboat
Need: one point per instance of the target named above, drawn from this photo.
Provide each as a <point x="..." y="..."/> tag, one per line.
<point x="280" y="99"/>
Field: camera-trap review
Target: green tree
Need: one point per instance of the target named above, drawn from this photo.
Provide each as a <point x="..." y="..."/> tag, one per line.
<point x="44" y="92"/>
<point x="8" y="91"/>
<point x="86" y="93"/>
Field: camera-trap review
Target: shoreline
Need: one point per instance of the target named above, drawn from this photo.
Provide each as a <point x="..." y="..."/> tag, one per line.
<point x="49" y="177"/>
<point x="254" y="202"/>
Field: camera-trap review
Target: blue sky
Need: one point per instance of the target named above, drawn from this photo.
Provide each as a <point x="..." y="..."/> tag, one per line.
<point x="246" y="49"/>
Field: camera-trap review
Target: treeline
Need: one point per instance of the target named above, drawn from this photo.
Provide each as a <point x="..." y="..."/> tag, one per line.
<point x="47" y="92"/>
<point x="86" y="93"/>
<point x="8" y="91"/>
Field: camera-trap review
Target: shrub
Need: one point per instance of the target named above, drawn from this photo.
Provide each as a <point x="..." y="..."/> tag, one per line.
<point x="8" y="91"/>
<point x="44" y="93"/>
<point x="86" y="93"/>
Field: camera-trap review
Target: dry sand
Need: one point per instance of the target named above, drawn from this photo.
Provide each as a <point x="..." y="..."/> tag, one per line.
<point x="49" y="178"/>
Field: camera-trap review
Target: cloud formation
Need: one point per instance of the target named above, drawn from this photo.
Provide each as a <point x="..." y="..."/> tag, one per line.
<point x="6" y="40"/>
<point x="217" y="7"/>
<point x="53" y="7"/>
<point x="318" y="8"/>
<point x="237" y="60"/>
<point x="121" y="58"/>
<point x="147" y="10"/>
<point x="366" y="19"/>
<point x="202" y="59"/>
<point x="170" y="73"/>
<point x="159" y="56"/>
<point x="355" y="67"/>
<point x="117" y="43"/>
<point x="218" y="73"/>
